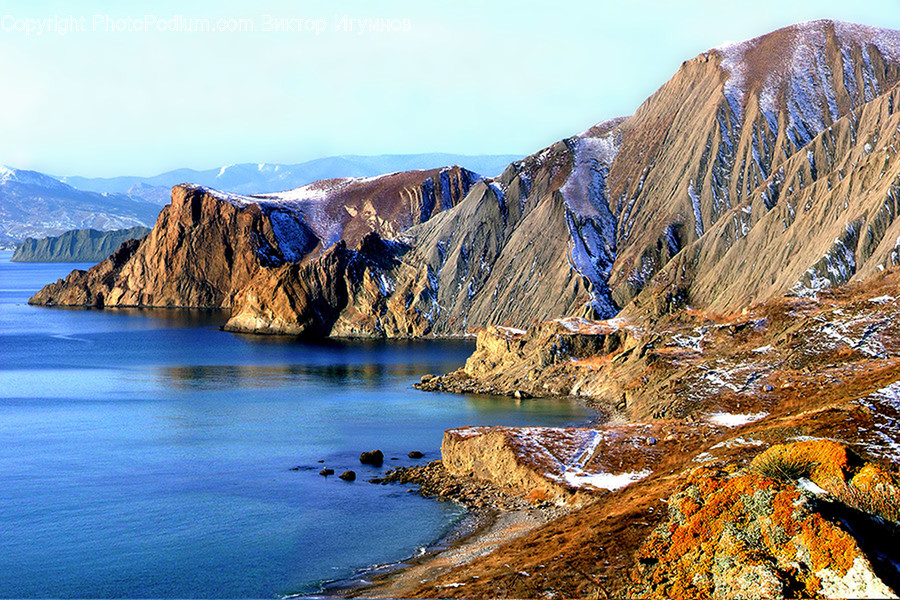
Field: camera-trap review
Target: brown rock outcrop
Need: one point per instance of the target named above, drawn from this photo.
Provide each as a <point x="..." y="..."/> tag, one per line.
<point x="207" y="246"/>
<point x="490" y="454"/>
<point x="691" y="363"/>
<point x="201" y="251"/>
<point x="748" y="536"/>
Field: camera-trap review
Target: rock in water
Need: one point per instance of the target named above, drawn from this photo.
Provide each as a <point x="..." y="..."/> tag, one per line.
<point x="326" y="472"/>
<point x="416" y="454"/>
<point x="375" y="458"/>
<point x="348" y="475"/>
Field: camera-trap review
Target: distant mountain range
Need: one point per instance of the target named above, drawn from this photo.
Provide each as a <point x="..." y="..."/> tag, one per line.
<point x="37" y="205"/>
<point x="252" y="178"/>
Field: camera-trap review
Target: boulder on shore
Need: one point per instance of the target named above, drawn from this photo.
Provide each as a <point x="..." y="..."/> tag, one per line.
<point x="374" y="457"/>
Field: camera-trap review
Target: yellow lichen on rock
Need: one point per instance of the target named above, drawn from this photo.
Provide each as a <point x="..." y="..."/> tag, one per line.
<point x="743" y="535"/>
<point x="872" y="476"/>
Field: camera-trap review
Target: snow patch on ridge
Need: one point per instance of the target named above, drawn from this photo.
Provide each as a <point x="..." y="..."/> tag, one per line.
<point x="591" y="224"/>
<point x="604" y="481"/>
<point x="588" y="327"/>
<point x="8" y="174"/>
<point x="806" y="84"/>
<point x="735" y="420"/>
<point x="884" y="406"/>
<point x="293" y="236"/>
<point x="733" y="62"/>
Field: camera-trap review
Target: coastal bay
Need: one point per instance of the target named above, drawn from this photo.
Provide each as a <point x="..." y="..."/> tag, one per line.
<point x="154" y="453"/>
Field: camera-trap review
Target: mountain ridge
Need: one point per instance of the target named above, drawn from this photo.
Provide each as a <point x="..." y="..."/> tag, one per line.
<point x="78" y="245"/>
<point x="35" y="205"/>
<point x="216" y="242"/>
<point x="261" y="178"/>
<point x="588" y="226"/>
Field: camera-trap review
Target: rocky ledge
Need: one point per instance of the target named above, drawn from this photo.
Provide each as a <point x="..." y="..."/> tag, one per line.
<point x="785" y="527"/>
<point x="692" y="363"/>
<point x="754" y="455"/>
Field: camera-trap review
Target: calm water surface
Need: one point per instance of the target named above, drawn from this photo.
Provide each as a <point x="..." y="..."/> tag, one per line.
<point x="148" y="454"/>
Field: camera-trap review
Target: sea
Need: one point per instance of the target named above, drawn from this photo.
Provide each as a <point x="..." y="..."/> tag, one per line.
<point x="148" y="454"/>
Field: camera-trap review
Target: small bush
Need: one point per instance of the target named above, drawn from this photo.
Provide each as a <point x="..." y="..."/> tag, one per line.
<point x="784" y="467"/>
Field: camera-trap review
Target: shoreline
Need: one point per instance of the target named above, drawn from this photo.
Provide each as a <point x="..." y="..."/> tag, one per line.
<point x="495" y="516"/>
<point x="471" y="525"/>
<point x="481" y="530"/>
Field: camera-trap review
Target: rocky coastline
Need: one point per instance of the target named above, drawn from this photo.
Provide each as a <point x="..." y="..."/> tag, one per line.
<point x="724" y="263"/>
<point x="634" y="507"/>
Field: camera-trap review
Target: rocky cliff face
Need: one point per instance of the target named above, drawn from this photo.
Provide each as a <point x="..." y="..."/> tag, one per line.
<point x="463" y="268"/>
<point x="720" y="132"/>
<point x="201" y="251"/>
<point x="759" y="168"/>
<point x="207" y="245"/>
<point x="826" y="215"/>
<point x="79" y="245"/>
<point x="778" y="147"/>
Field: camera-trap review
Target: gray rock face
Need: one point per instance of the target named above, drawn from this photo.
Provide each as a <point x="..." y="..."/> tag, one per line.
<point x="80" y="245"/>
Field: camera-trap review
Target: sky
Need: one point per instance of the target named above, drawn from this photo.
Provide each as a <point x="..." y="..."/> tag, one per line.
<point x="106" y="88"/>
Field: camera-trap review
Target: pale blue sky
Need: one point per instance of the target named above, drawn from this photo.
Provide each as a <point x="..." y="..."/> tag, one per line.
<point x="472" y="77"/>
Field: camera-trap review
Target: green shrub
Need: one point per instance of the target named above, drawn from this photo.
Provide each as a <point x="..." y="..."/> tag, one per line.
<point x="783" y="467"/>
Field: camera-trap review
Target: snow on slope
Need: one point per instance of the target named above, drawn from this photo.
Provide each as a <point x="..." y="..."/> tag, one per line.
<point x="591" y="224"/>
<point x="807" y="77"/>
<point x="10" y="175"/>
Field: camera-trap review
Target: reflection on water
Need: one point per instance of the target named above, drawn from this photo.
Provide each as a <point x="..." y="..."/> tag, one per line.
<point x="488" y="406"/>
<point x="215" y="377"/>
<point x="149" y="454"/>
<point x="370" y="376"/>
<point x="170" y="317"/>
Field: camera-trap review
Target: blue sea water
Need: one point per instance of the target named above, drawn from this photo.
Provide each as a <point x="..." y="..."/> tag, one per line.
<point x="149" y="454"/>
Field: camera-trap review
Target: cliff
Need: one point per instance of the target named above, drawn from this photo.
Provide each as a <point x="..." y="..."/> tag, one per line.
<point x="755" y="455"/>
<point x="686" y="365"/>
<point x="206" y="245"/>
<point x="760" y="168"/>
<point x="80" y="245"/>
